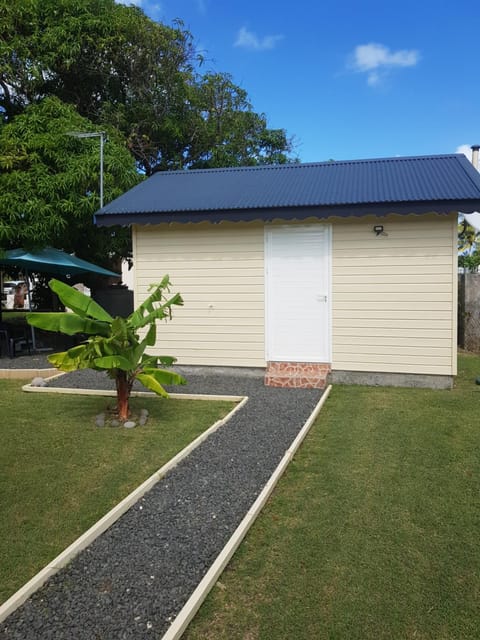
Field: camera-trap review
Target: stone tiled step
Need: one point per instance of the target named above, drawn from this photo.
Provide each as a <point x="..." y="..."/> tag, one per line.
<point x="299" y="375"/>
<point x="296" y="382"/>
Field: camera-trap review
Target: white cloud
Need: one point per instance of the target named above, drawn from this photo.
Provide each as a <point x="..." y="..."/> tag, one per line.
<point x="466" y="149"/>
<point x="249" y="40"/>
<point x="152" y="9"/>
<point x="376" y="60"/>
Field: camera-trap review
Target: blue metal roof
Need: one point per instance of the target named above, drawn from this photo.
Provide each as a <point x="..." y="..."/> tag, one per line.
<point x="419" y="184"/>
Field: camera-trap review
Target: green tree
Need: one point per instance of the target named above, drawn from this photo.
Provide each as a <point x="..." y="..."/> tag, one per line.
<point x="49" y="183"/>
<point x="228" y="131"/>
<point x="114" y="344"/>
<point x="117" y="66"/>
<point x="467" y="236"/>
<point x="95" y="65"/>
<point x="89" y="53"/>
<point x="470" y="262"/>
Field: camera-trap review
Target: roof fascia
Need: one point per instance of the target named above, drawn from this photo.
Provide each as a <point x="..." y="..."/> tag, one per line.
<point x="442" y="207"/>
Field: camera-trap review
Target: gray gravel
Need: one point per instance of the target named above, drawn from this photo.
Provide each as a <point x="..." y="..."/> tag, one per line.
<point x="134" y="579"/>
<point x="36" y="361"/>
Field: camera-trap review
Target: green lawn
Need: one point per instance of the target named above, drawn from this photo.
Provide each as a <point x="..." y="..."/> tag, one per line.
<point x="59" y="473"/>
<point x="373" y="532"/>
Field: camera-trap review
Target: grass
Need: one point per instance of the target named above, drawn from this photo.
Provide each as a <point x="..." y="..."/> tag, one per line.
<point x="59" y="473"/>
<point x="373" y="532"/>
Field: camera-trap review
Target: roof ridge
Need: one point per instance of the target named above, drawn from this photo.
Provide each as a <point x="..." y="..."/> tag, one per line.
<point x="303" y="165"/>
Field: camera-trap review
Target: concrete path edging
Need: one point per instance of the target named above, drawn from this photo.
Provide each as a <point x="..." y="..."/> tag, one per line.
<point x="20" y="596"/>
<point x="110" y="393"/>
<point x="193" y="604"/>
<point x="22" y="374"/>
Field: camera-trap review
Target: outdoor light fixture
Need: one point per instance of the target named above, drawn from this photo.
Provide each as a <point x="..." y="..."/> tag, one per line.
<point x="93" y="134"/>
<point x="378" y="230"/>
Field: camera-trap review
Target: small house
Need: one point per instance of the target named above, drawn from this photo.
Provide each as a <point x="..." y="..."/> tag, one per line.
<point x="347" y="268"/>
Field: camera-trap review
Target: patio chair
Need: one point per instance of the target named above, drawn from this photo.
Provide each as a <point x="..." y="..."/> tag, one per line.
<point x="14" y="336"/>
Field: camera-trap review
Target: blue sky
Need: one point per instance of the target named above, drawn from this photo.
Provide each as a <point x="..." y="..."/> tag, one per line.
<point x="347" y="79"/>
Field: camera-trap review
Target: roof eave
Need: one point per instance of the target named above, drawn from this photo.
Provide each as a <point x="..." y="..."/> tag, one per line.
<point x="288" y="213"/>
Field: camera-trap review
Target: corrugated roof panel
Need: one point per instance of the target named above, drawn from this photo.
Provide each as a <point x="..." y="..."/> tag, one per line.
<point x="420" y="179"/>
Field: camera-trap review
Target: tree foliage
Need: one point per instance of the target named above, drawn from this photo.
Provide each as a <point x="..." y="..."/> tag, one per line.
<point x="470" y="262"/>
<point x="49" y="182"/>
<point x="467" y="236"/>
<point x="86" y="52"/>
<point x="468" y="252"/>
<point x="121" y="72"/>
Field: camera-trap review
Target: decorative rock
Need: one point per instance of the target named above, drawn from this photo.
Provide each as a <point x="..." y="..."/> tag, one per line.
<point x="144" y="412"/>
<point x="38" y="382"/>
<point x="100" y="420"/>
<point x="129" y="424"/>
<point x="114" y="422"/>
<point x="142" y="421"/>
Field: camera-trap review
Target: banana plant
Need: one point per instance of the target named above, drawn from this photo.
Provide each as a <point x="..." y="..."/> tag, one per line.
<point x="113" y="345"/>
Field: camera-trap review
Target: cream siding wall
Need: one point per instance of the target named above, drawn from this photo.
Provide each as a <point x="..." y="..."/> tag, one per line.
<point x="219" y="271"/>
<point x="394" y="297"/>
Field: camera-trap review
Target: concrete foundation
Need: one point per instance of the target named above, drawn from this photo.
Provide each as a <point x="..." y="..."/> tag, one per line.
<point x="379" y="379"/>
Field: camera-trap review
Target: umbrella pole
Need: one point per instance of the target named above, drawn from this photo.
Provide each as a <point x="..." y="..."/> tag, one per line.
<point x="32" y="329"/>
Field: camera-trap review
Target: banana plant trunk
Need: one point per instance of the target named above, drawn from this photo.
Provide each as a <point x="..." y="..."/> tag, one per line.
<point x="124" y="387"/>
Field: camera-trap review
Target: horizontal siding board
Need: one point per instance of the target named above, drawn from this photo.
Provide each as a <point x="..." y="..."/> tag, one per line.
<point x="357" y="358"/>
<point x="425" y="272"/>
<point x="182" y="344"/>
<point x="414" y="344"/>
<point x="393" y="281"/>
<point x="393" y="324"/>
<point x="227" y="303"/>
<point x="396" y="263"/>
<point x="205" y="269"/>
<point x="404" y="294"/>
<point x="377" y="350"/>
<point x="414" y="305"/>
<point x="436" y="244"/>
<point x="198" y="257"/>
<point x="216" y="289"/>
<point x="222" y="333"/>
<point x="387" y="319"/>
<point x="399" y="332"/>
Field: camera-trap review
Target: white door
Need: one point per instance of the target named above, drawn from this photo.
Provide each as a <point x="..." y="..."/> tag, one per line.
<point x="297" y="259"/>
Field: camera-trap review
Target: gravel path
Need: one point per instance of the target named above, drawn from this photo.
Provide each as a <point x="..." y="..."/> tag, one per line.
<point x="134" y="579"/>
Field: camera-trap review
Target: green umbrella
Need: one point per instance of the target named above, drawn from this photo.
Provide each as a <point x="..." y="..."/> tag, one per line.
<point x="52" y="261"/>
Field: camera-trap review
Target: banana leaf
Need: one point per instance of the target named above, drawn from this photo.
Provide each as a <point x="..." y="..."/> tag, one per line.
<point x="78" y="302"/>
<point x="67" y="323"/>
<point x="68" y="361"/>
<point x="138" y="318"/>
<point x="115" y="362"/>
<point x="153" y="379"/>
